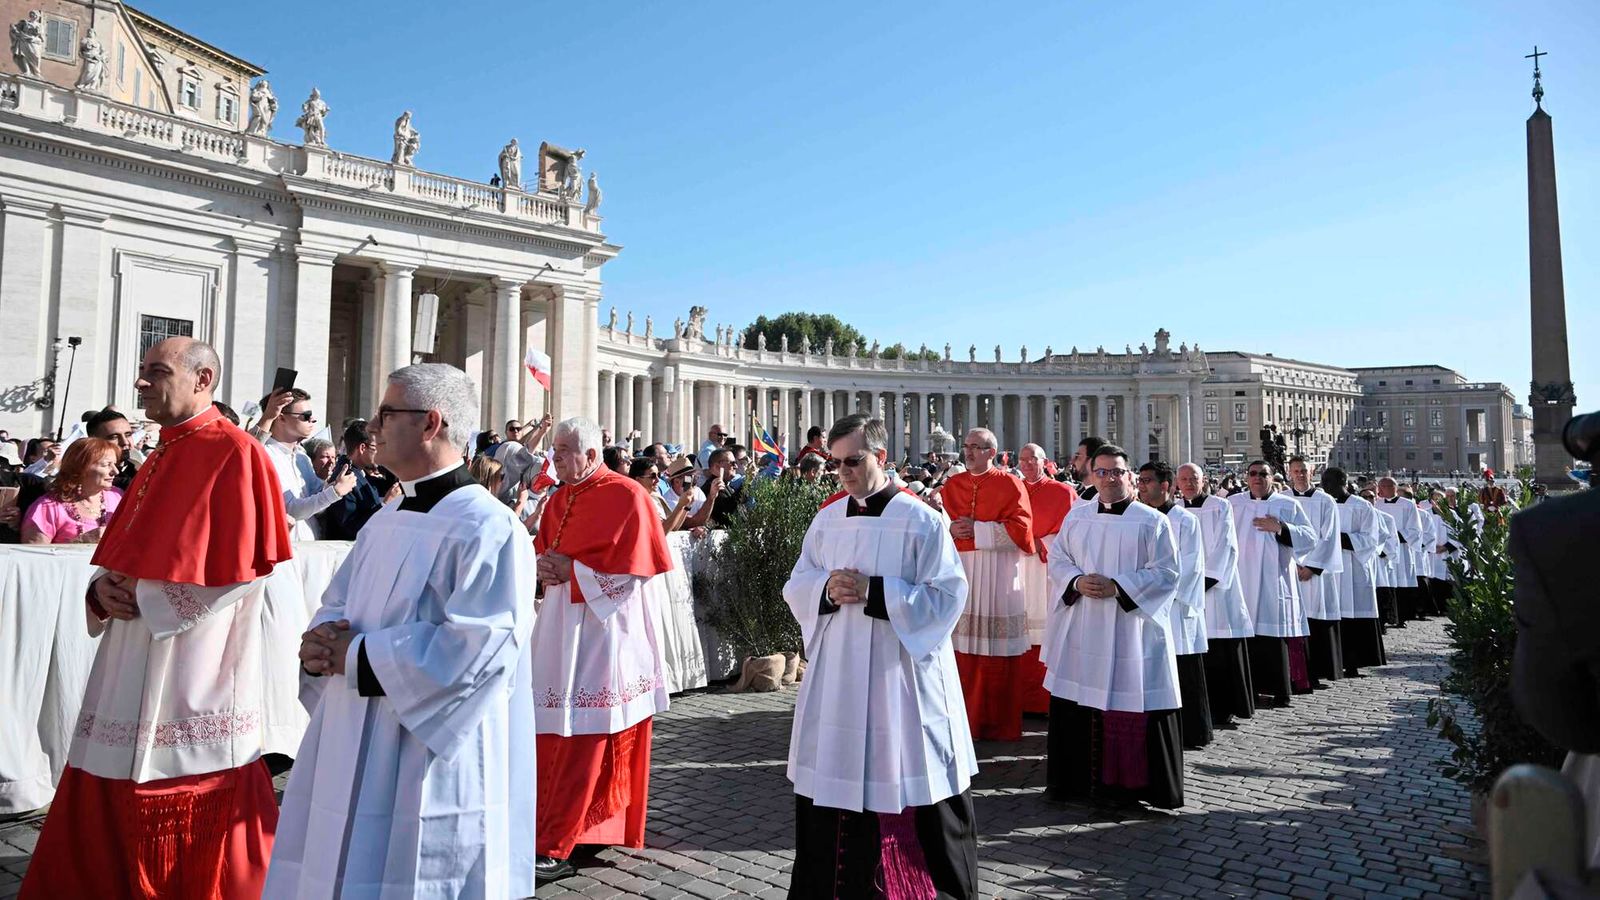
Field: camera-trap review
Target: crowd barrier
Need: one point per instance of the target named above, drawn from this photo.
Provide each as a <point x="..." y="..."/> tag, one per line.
<point x="46" y="651"/>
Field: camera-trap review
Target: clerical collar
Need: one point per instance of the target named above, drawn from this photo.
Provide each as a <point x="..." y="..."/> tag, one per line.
<point x="190" y="425"/>
<point x="409" y="488"/>
<point x="1115" y="509"/>
<point x="875" y="503"/>
<point x="1341" y="499"/>
<point x="1198" y="501"/>
<point x="1308" y="492"/>
<point x="1165" y="507"/>
<point x="1390" y="499"/>
<point x="424" y="494"/>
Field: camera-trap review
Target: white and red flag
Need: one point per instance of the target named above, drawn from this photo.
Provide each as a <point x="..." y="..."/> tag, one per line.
<point x="547" y="474"/>
<point x="538" y="366"/>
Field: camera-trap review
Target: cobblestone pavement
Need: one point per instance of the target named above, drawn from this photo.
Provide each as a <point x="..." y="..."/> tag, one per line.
<point x="1337" y="795"/>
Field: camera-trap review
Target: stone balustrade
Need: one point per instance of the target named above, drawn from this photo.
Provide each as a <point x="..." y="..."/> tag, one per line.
<point x="99" y="115"/>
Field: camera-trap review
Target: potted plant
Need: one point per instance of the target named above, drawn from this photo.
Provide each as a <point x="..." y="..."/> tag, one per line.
<point x="1476" y="713"/>
<point x="749" y="565"/>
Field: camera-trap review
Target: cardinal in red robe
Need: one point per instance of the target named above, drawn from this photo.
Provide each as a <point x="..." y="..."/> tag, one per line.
<point x="597" y="666"/>
<point x="1050" y="500"/>
<point x="992" y="524"/>
<point x="165" y="794"/>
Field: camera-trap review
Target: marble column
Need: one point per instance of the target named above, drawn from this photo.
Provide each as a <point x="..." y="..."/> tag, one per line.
<point x="968" y="418"/>
<point x="688" y="423"/>
<point x="808" y="414"/>
<point x="313" y="316"/>
<point x="608" y="396"/>
<point x="507" y="368"/>
<point x="919" y="426"/>
<point x="625" y="421"/>
<point x="24" y="286"/>
<point x="1025" y="433"/>
<point x="894" y="418"/>
<point x="946" y="416"/>
<point x="397" y="311"/>
<point x="647" y="411"/>
<point x="828" y="416"/>
<point x="997" y="418"/>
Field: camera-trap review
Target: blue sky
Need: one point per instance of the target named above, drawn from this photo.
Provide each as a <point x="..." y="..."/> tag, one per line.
<point x="1338" y="182"/>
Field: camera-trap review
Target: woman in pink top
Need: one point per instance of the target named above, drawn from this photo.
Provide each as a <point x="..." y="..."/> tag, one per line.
<point x="80" y="501"/>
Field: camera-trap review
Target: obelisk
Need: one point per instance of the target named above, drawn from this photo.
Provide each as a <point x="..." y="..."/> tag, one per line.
<point x="1551" y="398"/>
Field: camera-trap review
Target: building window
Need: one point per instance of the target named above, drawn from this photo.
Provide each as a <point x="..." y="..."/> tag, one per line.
<point x="1383" y="418"/>
<point x="1436" y="381"/>
<point x="1410" y="455"/>
<point x="61" y="39"/>
<point x="1238" y="393"/>
<point x="1408" y="382"/>
<point x="1409" y="438"/>
<point x="1241" y="412"/>
<point x="1240" y="437"/>
<point x="189" y="91"/>
<point x="155" y="329"/>
<point x="1438" y="456"/>
<point x="1213" y="437"/>
<point x="1083" y="415"/>
<point x="1211" y="414"/>
<point x="1435" y="438"/>
<point x="1383" y="384"/>
<point x="1436" y="418"/>
<point x="227" y="107"/>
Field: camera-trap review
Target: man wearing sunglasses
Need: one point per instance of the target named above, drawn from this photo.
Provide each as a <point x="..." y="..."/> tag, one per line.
<point x="1272" y="531"/>
<point x="880" y="748"/>
<point x="304" y="494"/>
<point x="714" y="442"/>
<point x="1115" y="729"/>
<point x="991" y="519"/>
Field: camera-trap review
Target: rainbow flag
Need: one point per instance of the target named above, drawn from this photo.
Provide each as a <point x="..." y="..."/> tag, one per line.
<point x="761" y="443"/>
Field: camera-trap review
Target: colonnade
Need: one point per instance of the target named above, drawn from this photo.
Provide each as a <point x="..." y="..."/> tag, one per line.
<point x="1155" y="420"/>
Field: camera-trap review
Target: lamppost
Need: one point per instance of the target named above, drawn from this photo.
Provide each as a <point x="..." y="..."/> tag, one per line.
<point x="1300" y="427"/>
<point x="1369" y="434"/>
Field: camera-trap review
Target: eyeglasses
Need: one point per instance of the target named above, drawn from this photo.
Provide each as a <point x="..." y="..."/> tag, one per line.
<point x="855" y="460"/>
<point x="1257" y="473"/>
<point x="1110" y="473"/>
<point x="384" y="412"/>
<point x="976" y="447"/>
<point x="307" y="416"/>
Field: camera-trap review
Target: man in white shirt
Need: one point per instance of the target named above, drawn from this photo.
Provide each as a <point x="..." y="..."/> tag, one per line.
<point x="304" y="494"/>
<point x="714" y="439"/>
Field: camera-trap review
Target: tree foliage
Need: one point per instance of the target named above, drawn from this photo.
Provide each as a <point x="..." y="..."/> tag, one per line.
<point x="808" y="330"/>
<point x="1489" y="735"/>
<point x="748" y="568"/>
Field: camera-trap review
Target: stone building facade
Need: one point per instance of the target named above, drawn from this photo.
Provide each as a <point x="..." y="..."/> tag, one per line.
<point x="123" y="222"/>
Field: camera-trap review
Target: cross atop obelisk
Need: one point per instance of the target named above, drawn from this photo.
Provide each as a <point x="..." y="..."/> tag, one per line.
<point x="1550" y="394"/>
<point x="1538" y="89"/>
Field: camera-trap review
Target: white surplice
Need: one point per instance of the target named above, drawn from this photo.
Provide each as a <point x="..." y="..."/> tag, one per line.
<point x="1358" y="583"/>
<point x="1266" y="567"/>
<point x="1189" y="606"/>
<point x="427" y="791"/>
<point x="880" y="723"/>
<point x="1388" y="548"/>
<point x="177" y="690"/>
<point x="995" y="622"/>
<point x="1227" y="615"/>
<point x="597" y="665"/>
<point x="1319" y="595"/>
<point x="1036" y="590"/>
<point x="1095" y="653"/>
<point x="1408" y="527"/>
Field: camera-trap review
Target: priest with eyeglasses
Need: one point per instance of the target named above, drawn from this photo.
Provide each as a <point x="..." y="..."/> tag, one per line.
<point x="416" y="775"/>
<point x="881" y="756"/>
<point x="1273" y="530"/>
<point x="1112" y="667"/>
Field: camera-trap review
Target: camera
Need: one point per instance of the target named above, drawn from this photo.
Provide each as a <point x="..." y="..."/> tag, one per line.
<point x="1581" y="437"/>
<point x="74" y="341"/>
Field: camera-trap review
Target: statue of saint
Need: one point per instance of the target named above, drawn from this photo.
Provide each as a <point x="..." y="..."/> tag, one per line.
<point x="649" y="327"/>
<point x="873" y="353"/>
<point x="27" y="43"/>
<point x="677" y="329"/>
<point x="313" y="113"/>
<point x="592" y="203"/>
<point x="972" y="353"/>
<point x="630" y="322"/>
<point x="1024" y="353"/>
<point x="571" y="176"/>
<point x="93" y="76"/>
<point x="827" y="346"/>
<point x="406" y="140"/>
<point x="611" y="324"/>
<point x="263" y="108"/>
<point x="761" y="341"/>
<point x="947" y="351"/>
<point x="511" y="166"/>
<point x="1144" y="351"/>
<point x="996" y="352"/>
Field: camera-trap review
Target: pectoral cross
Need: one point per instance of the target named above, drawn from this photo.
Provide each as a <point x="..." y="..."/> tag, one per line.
<point x="1538" y="89"/>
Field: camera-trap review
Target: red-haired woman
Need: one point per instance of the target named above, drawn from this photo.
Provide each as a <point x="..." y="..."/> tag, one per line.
<point x="80" y="501"/>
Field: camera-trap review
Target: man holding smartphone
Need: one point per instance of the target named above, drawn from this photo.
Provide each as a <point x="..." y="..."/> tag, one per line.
<point x="288" y="420"/>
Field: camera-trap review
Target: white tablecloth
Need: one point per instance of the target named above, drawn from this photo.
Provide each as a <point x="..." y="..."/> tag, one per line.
<point x="46" y="651"/>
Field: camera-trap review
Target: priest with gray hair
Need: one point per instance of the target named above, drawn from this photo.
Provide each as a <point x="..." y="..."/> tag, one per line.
<point x="416" y="775"/>
<point x="598" y="672"/>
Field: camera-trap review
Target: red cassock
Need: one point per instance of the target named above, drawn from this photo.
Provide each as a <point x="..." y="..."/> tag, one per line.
<point x="994" y="685"/>
<point x="206" y="509"/>
<point x="594" y="788"/>
<point x="1050" y="500"/>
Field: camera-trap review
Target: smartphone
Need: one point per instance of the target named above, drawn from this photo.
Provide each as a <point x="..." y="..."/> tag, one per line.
<point x="284" y="380"/>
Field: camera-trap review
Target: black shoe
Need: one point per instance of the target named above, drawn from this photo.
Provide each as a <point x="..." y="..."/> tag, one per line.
<point x="547" y="869"/>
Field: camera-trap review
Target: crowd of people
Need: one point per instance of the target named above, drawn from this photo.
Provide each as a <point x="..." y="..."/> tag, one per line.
<point x="482" y="673"/>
